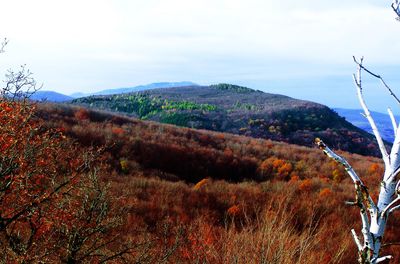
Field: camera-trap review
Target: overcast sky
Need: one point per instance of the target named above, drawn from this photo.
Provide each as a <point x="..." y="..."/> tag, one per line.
<point x="302" y="48"/>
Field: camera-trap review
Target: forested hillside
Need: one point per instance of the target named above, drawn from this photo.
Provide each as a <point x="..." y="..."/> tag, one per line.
<point x="200" y="196"/>
<point x="240" y="110"/>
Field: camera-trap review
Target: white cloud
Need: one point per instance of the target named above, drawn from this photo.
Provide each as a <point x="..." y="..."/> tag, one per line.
<point x="81" y="45"/>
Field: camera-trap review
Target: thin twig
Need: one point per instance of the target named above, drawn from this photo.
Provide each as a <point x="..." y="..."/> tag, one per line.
<point x="394" y="209"/>
<point x="381" y="259"/>
<point x="378" y="77"/>
<point x="3" y="44"/>
<point x="383" y="213"/>
<point x="391" y="244"/>
<point x="396" y="8"/>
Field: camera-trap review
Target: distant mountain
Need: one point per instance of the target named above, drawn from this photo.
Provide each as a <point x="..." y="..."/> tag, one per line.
<point x="240" y="110"/>
<point x="136" y="88"/>
<point x="79" y="94"/>
<point x="50" y="96"/>
<point x="382" y="121"/>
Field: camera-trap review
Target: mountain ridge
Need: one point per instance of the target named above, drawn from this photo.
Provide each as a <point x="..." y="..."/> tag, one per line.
<point x="53" y="96"/>
<point x="240" y="110"/>
<point x="47" y="95"/>
<point x="137" y="88"/>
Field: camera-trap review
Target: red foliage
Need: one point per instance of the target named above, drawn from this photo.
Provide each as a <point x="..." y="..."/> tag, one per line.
<point x="118" y="131"/>
<point x="34" y="173"/>
<point x="165" y="155"/>
<point x="41" y="189"/>
<point x="305" y="185"/>
<point x="82" y="114"/>
<point x="234" y="210"/>
<point x="325" y="193"/>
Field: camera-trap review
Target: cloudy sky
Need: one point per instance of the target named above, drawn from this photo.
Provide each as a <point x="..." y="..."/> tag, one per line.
<point x="302" y="48"/>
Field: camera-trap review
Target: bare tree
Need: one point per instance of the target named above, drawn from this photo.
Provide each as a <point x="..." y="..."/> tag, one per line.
<point x="374" y="216"/>
<point x="53" y="207"/>
<point x="396" y="8"/>
<point x="3" y="44"/>
<point x="19" y="84"/>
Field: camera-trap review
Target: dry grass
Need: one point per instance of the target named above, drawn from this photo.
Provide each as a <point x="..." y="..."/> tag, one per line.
<point x="288" y="204"/>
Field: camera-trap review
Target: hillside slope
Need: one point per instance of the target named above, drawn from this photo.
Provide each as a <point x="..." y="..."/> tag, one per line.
<point x="188" y="154"/>
<point x="153" y="169"/>
<point x="240" y="110"/>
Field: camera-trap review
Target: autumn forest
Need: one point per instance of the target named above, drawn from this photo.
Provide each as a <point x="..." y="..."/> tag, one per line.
<point x="85" y="186"/>
<point x="187" y="173"/>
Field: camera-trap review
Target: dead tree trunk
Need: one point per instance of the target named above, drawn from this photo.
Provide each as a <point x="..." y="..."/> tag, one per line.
<point x="373" y="216"/>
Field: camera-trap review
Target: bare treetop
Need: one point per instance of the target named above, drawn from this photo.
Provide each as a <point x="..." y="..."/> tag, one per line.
<point x="396" y="8"/>
<point x="374" y="216"/>
<point x="3" y="44"/>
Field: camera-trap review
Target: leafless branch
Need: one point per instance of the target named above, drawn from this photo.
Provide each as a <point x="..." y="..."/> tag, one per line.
<point x="358" y="83"/>
<point x="383" y="213"/>
<point x="373" y="225"/>
<point x="394" y="209"/>
<point x="3" y="44"/>
<point x="391" y="244"/>
<point x="360" y="64"/>
<point x="396" y="8"/>
<point x="381" y="259"/>
<point x="362" y="191"/>
<point x="19" y="84"/>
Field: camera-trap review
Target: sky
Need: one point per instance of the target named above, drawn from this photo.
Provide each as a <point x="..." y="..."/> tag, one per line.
<point x="302" y="49"/>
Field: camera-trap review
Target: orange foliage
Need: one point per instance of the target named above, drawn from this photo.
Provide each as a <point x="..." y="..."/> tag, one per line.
<point x="266" y="168"/>
<point x="117" y="131"/>
<point x="220" y="136"/>
<point x="201" y="184"/>
<point x="285" y="170"/>
<point x="233" y="210"/>
<point x="325" y="192"/>
<point x="41" y="189"/>
<point x="375" y="169"/>
<point x="31" y="184"/>
<point x="277" y="163"/>
<point x="294" y="178"/>
<point x="171" y="159"/>
<point x="305" y="185"/>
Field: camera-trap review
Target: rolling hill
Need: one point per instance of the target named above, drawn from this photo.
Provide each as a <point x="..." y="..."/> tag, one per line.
<point x="199" y="191"/>
<point x="50" y="96"/>
<point x="150" y="86"/>
<point x="239" y="110"/>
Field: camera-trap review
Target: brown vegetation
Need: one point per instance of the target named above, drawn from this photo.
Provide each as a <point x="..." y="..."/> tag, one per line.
<point x="191" y="196"/>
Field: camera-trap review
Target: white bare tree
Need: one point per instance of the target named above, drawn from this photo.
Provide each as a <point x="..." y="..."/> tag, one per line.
<point x="396" y="7"/>
<point x="3" y="44"/>
<point x="374" y="216"/>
